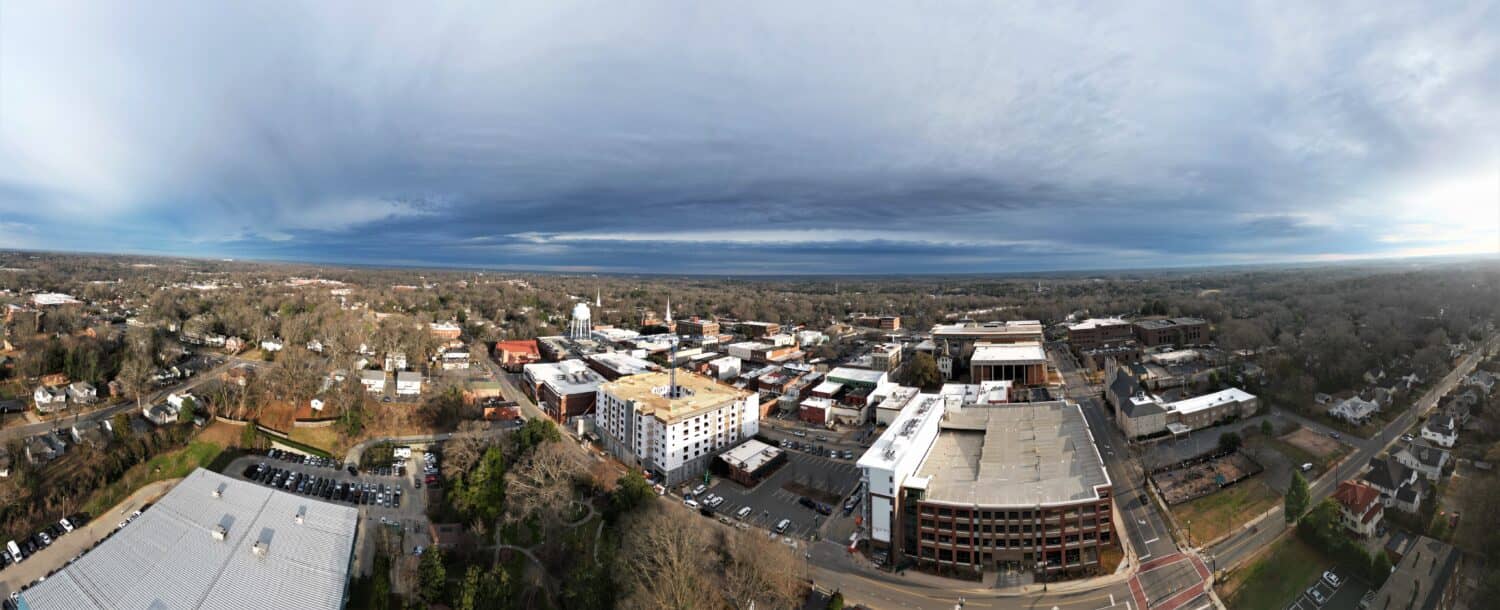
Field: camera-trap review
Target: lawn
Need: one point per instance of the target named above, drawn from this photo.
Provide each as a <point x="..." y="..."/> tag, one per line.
<point x="170" y="465"/>
<point x="327" y="439"/>
<point x="1275" y="579"/>
<point x="1221" y="512"/>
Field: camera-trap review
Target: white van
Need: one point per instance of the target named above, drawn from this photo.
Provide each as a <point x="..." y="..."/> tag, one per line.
<point x="1307" y="466"/>
<point x="781" y="527"/>
<point x="690" y="503"/>
<point x="744" y="512"/>
<point x="15" y="551"/>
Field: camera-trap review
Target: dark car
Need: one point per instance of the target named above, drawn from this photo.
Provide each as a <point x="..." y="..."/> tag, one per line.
<point x="353" y="472"/>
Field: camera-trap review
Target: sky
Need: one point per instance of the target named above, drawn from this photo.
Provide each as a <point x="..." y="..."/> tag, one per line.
<point x="746" y="138"/>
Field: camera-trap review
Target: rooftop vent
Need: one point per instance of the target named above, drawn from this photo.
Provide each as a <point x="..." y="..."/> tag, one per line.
<point x="220" y="533"/>
<point x="301" y="514"/>
<point x="219" y="491"/>
<point x="260" y="548"/>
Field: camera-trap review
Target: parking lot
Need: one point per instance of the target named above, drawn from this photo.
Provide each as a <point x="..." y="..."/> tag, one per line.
<point x="778" y="497"/>
<point x="1344" y="596"/>
<point x="409" y="517"/>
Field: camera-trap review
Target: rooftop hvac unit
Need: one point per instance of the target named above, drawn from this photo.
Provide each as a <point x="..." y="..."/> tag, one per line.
<point x="301" y="513"/>
<point x="259" y="549"/>
<point x="220" y="533"/>
<point x="219" y="491"/>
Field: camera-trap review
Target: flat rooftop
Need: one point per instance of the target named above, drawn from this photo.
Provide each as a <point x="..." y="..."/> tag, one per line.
<point x="1209" y="401"/>
<point x="1023" y="454"/>
<point x="566" y="378"/>
<point x="697" y="394"/>
<point x="1093" y="323"/>
<point x="901" y="436"/>
<point x="170" y="558"/>
<point x="850" y="374"/>
<point x="1017" y="353"/>
<point x="1169" y="322"/>
<point x="1013" y="328"/>
<point x="750" y="456"/>
<point x="623" y="364"/>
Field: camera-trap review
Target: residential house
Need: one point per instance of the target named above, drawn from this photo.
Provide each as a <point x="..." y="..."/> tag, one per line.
<point x="1427" y="460"/>
<point x="1484" y="380"/>
<point x="455" y="359"/>
<point x="395" y="361"/>
<point x="94" y="433"/>
<point x="178" y="400"/>
<point x="408" y="383"/>
<point x="40" y="451"/>
<point x="1398" y="484"/>
<point x="1441" y="430"/>
<point x="49" y="400"/>
<point x="374" y="381"/>
<point x="161" y="414"/>
<point x="1360" y="509"/>
<point x="1373" y="376"/>
<point x="271" y="345"/>
<point x="1426" y="578"/>
<point x="1354" y="410"/>
<point x="82" y="392"/>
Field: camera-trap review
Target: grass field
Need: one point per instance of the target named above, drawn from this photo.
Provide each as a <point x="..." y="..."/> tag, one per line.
<point x="1275" y="579"/>
<point x="327" y="439"/>
<point x="1223" y="511"/>
<point x="170" y="465"/>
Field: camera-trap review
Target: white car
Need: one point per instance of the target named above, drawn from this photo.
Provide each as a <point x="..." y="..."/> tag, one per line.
<point x="781" y="527"/>
<point x="67" y="527"/>
<point x="690" y="503"/>
<point x="698" y="491"/>
<point x="744" y="512"/>
<point x="716" y="501"/>
<point x="1332" y="579"/>
<point x="1316" y="596"/>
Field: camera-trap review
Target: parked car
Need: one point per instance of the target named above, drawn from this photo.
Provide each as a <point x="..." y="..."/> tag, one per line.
<point x="1316" y="596"/>
<point x="690" y="503"/>
<point x="743" y="512"/>
<point x="700" y="489"/>
<point x="1332" y="579"/>
<point x="782" y="526"/>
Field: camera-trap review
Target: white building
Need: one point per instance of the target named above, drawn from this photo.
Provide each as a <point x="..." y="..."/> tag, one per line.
<point x="177" y="400"/>
<point x="395" y="361"/>
<point x="455" y="359"/>
<point x="49" y="399"/>
<point x="270" y="345"/>
<point x="893" y="458"/>
<point x="1441" y="430"/>
<point x="673" y="431"/>
<point x="725" y="368"/>
<point x="374" y="381"/>
<point x="408" y="383"/>
<point x="82" y="392"/>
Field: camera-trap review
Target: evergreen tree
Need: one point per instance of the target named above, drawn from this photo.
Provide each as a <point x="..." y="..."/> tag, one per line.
<point x="1296" y="498"/>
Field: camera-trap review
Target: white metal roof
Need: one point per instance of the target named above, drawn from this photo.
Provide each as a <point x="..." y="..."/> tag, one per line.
<point x="169" y="557"/>
<point x="1208" y="401"/>
<point x="566" y="378"/>
<point x="1018" y="353"/>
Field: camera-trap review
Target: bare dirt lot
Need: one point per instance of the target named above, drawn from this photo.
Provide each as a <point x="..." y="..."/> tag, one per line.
<point x="1317" y="444"/>
<point x="1180" y="485"/>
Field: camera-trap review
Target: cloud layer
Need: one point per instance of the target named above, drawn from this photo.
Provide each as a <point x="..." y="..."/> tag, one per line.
<point x="775" y="137"/>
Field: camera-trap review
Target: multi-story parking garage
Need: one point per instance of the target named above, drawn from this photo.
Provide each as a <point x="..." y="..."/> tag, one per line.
<point x="978" y="487"/>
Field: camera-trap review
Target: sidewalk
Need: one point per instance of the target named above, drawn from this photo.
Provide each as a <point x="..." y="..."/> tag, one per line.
<point x="81" y="539"/>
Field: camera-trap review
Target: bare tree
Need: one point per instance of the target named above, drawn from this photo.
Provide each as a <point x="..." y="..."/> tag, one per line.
<point x="661" y="563"/>
<point x="757" y="571"/>
<point x="466" y="446"/>
<point x="542" y="484"/>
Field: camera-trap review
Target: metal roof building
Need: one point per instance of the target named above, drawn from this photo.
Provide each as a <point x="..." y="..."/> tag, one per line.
<point x="214" y="542"/>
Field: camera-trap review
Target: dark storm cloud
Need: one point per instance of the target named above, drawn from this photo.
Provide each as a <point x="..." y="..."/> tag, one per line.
<point x="775" y="137"/>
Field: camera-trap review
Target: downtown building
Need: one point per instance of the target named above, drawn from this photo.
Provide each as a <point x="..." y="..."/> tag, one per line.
<point x="976" y="487"/>
<point x="673" y="425"/>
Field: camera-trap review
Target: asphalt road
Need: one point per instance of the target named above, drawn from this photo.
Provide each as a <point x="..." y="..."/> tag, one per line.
<point x="106" y="412"/>
<point x="1242" y="546"/>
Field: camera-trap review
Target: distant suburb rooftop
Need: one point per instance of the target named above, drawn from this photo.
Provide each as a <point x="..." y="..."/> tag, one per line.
<point x="696" y="394"/>
<point x="1024" y="454"/>
<point x="214" y="542"/>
